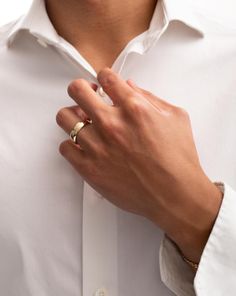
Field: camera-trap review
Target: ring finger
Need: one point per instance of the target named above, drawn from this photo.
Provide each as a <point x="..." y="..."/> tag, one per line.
<point x="67" y="117"/>
<point x="87" y="137"/>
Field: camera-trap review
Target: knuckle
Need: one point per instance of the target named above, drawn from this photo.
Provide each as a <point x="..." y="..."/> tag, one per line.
<point x="114" y="124"/>
<point x="63" y="148"/>
<point x="101" y="115"/>
<point x="181" y="112"/>
<point x="60" y="116"/>
<point x="137" y="106"/>
<point x="112" y="128"/>
<point x="116" y="130"/>
<point x="107" y="124"/>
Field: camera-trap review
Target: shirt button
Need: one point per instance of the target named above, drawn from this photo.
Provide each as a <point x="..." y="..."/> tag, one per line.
<point x="101" y="292"/>
<point x="101" y="92"/>
<point x="42" y="43"/>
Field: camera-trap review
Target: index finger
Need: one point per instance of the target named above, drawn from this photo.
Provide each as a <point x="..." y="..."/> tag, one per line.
<point x="82" y="93"/>
<point x="115" y="87"/>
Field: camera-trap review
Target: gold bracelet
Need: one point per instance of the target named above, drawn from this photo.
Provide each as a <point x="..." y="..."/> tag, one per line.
<point x="192" y="264"/>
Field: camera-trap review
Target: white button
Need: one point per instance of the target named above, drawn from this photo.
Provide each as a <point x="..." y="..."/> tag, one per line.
<point x="101" y="292"/>
<point x="42" y="42"/>
<point x="101" y="92"/>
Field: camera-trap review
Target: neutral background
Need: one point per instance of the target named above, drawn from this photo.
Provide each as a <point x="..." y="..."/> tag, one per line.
<point x="222" y="9"/>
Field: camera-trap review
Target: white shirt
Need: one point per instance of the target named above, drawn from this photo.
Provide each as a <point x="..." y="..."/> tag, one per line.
<point x="60" y="237"/>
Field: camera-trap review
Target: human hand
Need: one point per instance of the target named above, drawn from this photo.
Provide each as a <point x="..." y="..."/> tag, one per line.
<point x="140" y="155"/>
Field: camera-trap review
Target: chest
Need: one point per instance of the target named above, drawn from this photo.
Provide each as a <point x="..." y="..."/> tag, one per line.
<point x="184" y="74"/>
<point x="47" y="195"/>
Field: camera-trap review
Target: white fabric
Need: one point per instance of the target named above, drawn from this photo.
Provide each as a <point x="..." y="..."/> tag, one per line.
<point x="57" y="235"/>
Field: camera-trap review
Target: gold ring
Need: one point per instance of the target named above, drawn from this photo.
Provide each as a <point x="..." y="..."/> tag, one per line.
<point x="79" y="125"/>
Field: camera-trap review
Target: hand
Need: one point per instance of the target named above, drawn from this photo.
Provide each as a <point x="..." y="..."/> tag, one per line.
<point x="140" y="155"/>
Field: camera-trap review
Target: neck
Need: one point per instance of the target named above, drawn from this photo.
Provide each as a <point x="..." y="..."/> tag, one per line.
<point x="106" y="25"/>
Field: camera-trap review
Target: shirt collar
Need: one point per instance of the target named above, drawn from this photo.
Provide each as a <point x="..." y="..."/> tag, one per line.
<point x="185" y="12"/>
<point x="37" y="22"/>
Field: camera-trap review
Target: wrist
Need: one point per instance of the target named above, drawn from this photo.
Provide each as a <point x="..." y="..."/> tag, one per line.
<point x="195" y="229"/>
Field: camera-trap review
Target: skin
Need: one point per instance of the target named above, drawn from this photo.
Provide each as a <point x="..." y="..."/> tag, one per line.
<point x="103" y="26"/>
<point x="140" y="155"/>
<point x="140" y="152"/>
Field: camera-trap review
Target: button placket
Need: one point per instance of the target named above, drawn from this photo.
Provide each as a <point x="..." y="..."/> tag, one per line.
<point x="100" y="245"/>
<point x="99" y="235"/>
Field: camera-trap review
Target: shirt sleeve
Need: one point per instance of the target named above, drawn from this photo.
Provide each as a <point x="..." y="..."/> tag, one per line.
<point x="217" y="267"/>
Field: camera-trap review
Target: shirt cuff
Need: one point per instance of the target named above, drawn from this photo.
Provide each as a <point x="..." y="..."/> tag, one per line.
<point x="217" y="267"/>
<point x="176" y="274"/>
